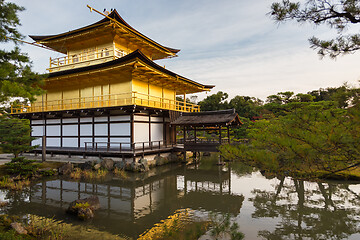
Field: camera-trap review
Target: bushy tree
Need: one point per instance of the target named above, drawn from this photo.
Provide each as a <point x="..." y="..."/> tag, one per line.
<point x="311" y="137"/>
<point x="15" y="135"/>
<point x="16" y="77"/>
<point x="337" y="14"/>
<point x="214" y="102"/>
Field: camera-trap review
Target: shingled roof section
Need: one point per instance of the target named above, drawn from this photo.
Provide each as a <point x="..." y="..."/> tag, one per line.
<point x="114" y="15"/>
<point x="209" y="118"/>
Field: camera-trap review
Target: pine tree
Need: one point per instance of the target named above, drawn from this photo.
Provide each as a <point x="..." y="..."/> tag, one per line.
<point x="337" y="14"/>
<point x="16" y="77"/>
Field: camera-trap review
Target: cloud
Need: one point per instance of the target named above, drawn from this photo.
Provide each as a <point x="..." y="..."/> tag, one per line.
<point x="232" y="44"/>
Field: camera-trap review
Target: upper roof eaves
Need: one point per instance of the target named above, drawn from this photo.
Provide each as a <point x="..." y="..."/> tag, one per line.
<point x="114" y="15"/>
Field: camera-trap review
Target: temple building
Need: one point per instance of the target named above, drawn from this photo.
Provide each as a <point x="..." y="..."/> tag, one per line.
<point x="107" y="92"/>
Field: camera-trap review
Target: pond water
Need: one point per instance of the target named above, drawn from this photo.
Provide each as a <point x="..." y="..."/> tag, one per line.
<point x="264" y="208"/>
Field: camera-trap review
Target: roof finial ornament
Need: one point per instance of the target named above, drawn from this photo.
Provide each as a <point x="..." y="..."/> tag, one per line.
<point x="106" y="12"/>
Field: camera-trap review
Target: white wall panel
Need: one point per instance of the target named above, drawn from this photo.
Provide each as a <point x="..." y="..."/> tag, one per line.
<point x="156" y="119"/>
<point x="37" y="142"/>
<point x="87" y="119"/>
<point x="53" y="142"/>
<point x="53" y="130"/>
<point x="121" y="129"/>
<point x="70" y="130"/>
<point x="37" y="130"/>
<point x="70" y="120"/>
<point x="86" y="130"/>
<point x="70" y="142"/>
<point x="37" y="121"/>
<point x="141" y="118"/>
<point x="101" y="129"/>
<point x="83" y="140"/>
<point x="53" y="121"/>
<point x="120" y="118"/>
<point x="100" y="119"/>
<point x="141" y="132"/>
<point x="120" y="140"/>
<point x="157" y="133"/>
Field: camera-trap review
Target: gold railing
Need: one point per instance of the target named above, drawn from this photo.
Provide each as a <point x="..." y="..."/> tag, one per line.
<point x="113" y="100"/>
<point x="86" y="57"/>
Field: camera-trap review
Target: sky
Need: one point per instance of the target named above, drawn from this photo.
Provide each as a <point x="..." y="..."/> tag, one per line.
<point x="232" y="44"/>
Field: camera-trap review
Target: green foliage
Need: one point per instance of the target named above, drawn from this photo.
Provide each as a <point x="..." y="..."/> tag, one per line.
<point x="15" y="135"/>
<point x="221" y="226"/>
<point x="21" y="166"/>
<point x="311" y="137"/>
<point x="16" y="77"/>
<point x="214" y="102"/>
<point x="338" y="14"/>
<point x="247" y="107"/>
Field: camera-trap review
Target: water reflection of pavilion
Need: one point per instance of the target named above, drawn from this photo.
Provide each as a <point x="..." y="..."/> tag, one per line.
<point x="131" y="207"/>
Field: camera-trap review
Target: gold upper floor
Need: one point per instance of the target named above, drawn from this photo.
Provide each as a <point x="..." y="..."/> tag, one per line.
<point x="105" y="40"/>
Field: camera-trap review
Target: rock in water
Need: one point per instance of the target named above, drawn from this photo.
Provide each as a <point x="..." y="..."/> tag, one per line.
<point x="84" y="208"/>
<point x="108" y="164"/>
<point x="18" y="228"/>
<point x="66" y="169"/>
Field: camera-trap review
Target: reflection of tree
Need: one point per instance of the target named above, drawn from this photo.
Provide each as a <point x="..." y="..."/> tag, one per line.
<point x="316" y="211"/>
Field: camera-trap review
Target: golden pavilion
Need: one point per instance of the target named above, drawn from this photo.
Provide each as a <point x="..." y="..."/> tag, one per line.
<point x="107" y="92"/>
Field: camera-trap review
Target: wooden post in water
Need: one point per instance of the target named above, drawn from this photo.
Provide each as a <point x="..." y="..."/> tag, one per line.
<point x="43" y="146"/>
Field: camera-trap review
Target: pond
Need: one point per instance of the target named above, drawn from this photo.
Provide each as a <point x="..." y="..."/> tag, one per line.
<point x="264" y="208"/>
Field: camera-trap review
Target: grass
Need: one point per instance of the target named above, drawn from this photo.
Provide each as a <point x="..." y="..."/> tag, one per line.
<point x="10" y="183"/>
<point x="77" y="173"/>
<point x="46" y="228"/>
<point x="119" y="173"/>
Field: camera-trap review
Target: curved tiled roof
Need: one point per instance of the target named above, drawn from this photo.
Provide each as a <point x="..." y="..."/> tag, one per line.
<point x="209" y="118"/>
<point x="114" y="15"/>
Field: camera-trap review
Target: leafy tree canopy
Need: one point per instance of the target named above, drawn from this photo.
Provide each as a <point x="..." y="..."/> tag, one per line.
<point x="214" y="102"/>
<point x="337" y="14"/>
<point x="311" y="136"/>
<point x="16" y="77"/>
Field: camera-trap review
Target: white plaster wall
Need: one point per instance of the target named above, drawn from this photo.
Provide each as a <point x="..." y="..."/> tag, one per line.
<point x="100" y="119"/>
<point x="101" y="129"/>
<point x="156" y="119"/>
<point x="87" y="119"/>
<point x="37" y="121"/>
<point x="86" y="130"/>
<point x="141" y="132"/>
<point x="53" y="130"/>
<point x="70" y="142"/>
<point x="157" y="133"/>
<point x="120" y="118"/>
<point x="125" y="142"/>
<point x="141" y="118"/>
<point x="70" y="130"/>
<point x="120" y="129"/>
<point x="53" y="142"/>
<point x="83" y="140"/>
<point x="37" y="130"/>
<point x="37" y="142"/>
<point x="53" y="121"/>
<point x="70" y="120"/>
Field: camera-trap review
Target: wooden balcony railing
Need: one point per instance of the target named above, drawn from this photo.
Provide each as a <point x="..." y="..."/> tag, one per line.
<point x="113" y="100"/>
<point x="85" y="57"/>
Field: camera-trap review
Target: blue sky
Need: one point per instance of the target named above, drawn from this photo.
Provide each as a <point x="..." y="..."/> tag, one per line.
<point x="232" y="44"/>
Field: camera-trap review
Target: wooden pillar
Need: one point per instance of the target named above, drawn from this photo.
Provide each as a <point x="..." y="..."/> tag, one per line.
<point x="220" y="134"/>
<point x="195" y="134"/>
<point x="184" y="130"/>
<point x="184" y="101"/>
<point x="228" y="133"/>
